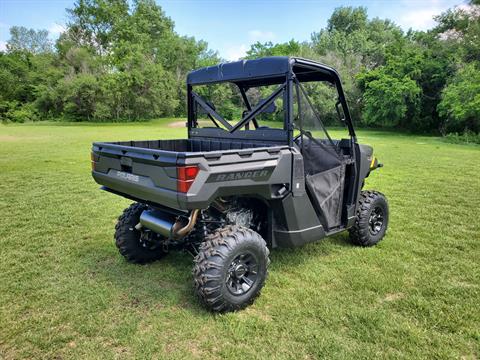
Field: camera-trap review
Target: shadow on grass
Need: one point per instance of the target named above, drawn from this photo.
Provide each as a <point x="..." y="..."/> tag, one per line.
<point x="321" y="248"/>
<point x="167" y="283"/>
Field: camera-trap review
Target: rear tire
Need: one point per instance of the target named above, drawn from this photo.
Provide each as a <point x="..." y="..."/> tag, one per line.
<point x="230" y="268"/>
<point x="372" y="219"/>
<point x="136" y="246"/>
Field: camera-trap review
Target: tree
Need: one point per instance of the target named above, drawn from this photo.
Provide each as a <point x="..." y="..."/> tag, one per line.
<point x="93" y="23"/>
<point x="20" y="74"/>
<point x="350" y="33"/>
<point x="461" y="27"/>
<point x="28" y="40"/>
<point x="133" y="45"/>
<point x="460" y="105"/>
<point x="353" y="44"/>
<point x="80" y="96"/>
<point x="348" y="20"/>
<point x="387" y="99"/>
<point x="123" y="60"/>
<point x="269" y="49"/>
<point x="14" y="77"/>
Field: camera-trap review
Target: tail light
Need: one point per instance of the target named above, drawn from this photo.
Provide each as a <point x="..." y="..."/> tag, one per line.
<point x="94" y="160"/>
<point x="185" y="177"/>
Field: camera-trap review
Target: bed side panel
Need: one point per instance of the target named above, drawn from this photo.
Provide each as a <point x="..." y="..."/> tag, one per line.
<point x="260" y="171"/>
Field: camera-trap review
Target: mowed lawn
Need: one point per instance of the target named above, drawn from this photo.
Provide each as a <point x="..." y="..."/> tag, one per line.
<point x="65" y="292"/>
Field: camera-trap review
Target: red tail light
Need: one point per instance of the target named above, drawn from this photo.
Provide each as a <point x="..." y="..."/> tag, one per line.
<point x="93" y="159"/>
<point x="185" y="177"/>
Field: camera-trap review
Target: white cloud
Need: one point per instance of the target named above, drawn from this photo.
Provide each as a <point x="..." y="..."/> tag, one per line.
<point x="421" y="19"/>
<point x="56" y="29"/>
<point x="235" y="52"/>
<point x="262" y="36"/>
<point x="419" y="14"/>
<point x="3" y="46"/>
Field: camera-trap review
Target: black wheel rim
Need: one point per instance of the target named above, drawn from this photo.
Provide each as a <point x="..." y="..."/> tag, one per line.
<point x="376" y="220"/>
<point x="242" y="274"/>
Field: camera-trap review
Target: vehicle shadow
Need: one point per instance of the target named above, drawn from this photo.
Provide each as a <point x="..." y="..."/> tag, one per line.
<point x="293" y="257"/>
<point x="167" y="283"/>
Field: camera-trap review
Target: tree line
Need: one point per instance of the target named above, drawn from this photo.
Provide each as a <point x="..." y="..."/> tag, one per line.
<point x="123" y="61"/>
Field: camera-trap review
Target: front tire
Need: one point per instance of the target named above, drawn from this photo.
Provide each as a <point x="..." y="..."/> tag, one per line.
<point x="136" y="246"/>
<point x="372" y="219"/>
<point x="230" y="268"/>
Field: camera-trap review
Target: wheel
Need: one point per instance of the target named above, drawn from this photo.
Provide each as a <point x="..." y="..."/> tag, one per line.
<point x="230" y="268"/>
<point x="136" y="246"/>
<point x="372" y="219"/>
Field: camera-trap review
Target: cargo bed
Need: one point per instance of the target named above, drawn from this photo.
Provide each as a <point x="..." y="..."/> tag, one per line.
<point x="191" y="145"/>
<point x="149" y="170"/>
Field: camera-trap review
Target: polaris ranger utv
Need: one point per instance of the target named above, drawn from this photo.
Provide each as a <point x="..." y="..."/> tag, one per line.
<point x="237" y="188"/>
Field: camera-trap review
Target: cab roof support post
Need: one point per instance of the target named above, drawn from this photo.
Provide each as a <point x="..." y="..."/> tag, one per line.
<point x="190" y="115"/>
<point x="288" y="120"/>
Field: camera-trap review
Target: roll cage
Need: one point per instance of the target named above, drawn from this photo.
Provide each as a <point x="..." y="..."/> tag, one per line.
<point x="288" y="73"/>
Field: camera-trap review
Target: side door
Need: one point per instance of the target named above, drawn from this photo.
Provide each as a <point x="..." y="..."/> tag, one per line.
<point x="327" y="161"/>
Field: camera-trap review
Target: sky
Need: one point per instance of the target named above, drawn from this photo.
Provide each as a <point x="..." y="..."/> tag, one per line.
<point x="230" y="27"/>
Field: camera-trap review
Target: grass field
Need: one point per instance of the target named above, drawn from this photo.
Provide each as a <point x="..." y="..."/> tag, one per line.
<point x="65" y="292"/>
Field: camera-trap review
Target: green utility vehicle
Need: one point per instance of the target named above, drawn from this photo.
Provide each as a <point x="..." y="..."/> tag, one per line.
<point x="236" y="188"/>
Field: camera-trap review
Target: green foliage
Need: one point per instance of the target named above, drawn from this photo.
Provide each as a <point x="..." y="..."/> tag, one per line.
<point x="15" y="76"/>
<point x="269" y="49"/>
<point x="460" y="26"/>
<point x="468" y="137"/>
<point x="387" y="98"/>
<point x="225" y="98"/>
<point x="353" y="44"/>
<point x="80" y="95"/>
<point x="93" y="23"/>
<point x="143" y="74"/>
<point x="460" y="104"/>
<point x="25" y="79"/>
<point x="13" y="111"/>
<point x="350" y="34"/>
<point x="29" y="40"/>
<point x="22" y="114"/>
<point x="121" y="60"/>
<point x="348" y="19"/>
<point x="116" y="60"/>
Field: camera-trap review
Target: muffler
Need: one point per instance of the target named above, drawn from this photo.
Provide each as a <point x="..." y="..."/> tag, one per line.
<point x="158" y="221"/>
<point x="167" y="225"/>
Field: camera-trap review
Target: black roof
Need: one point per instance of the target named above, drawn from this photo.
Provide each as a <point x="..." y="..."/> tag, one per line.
<point x="263" y="71"/>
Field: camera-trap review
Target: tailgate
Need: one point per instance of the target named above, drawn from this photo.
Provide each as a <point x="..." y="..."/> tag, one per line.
<point x="141" y="173"/>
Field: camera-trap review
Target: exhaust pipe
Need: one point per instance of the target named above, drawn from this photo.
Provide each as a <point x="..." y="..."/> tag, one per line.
<point x="184" y="231"/>
<point x="166" y="225"/>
